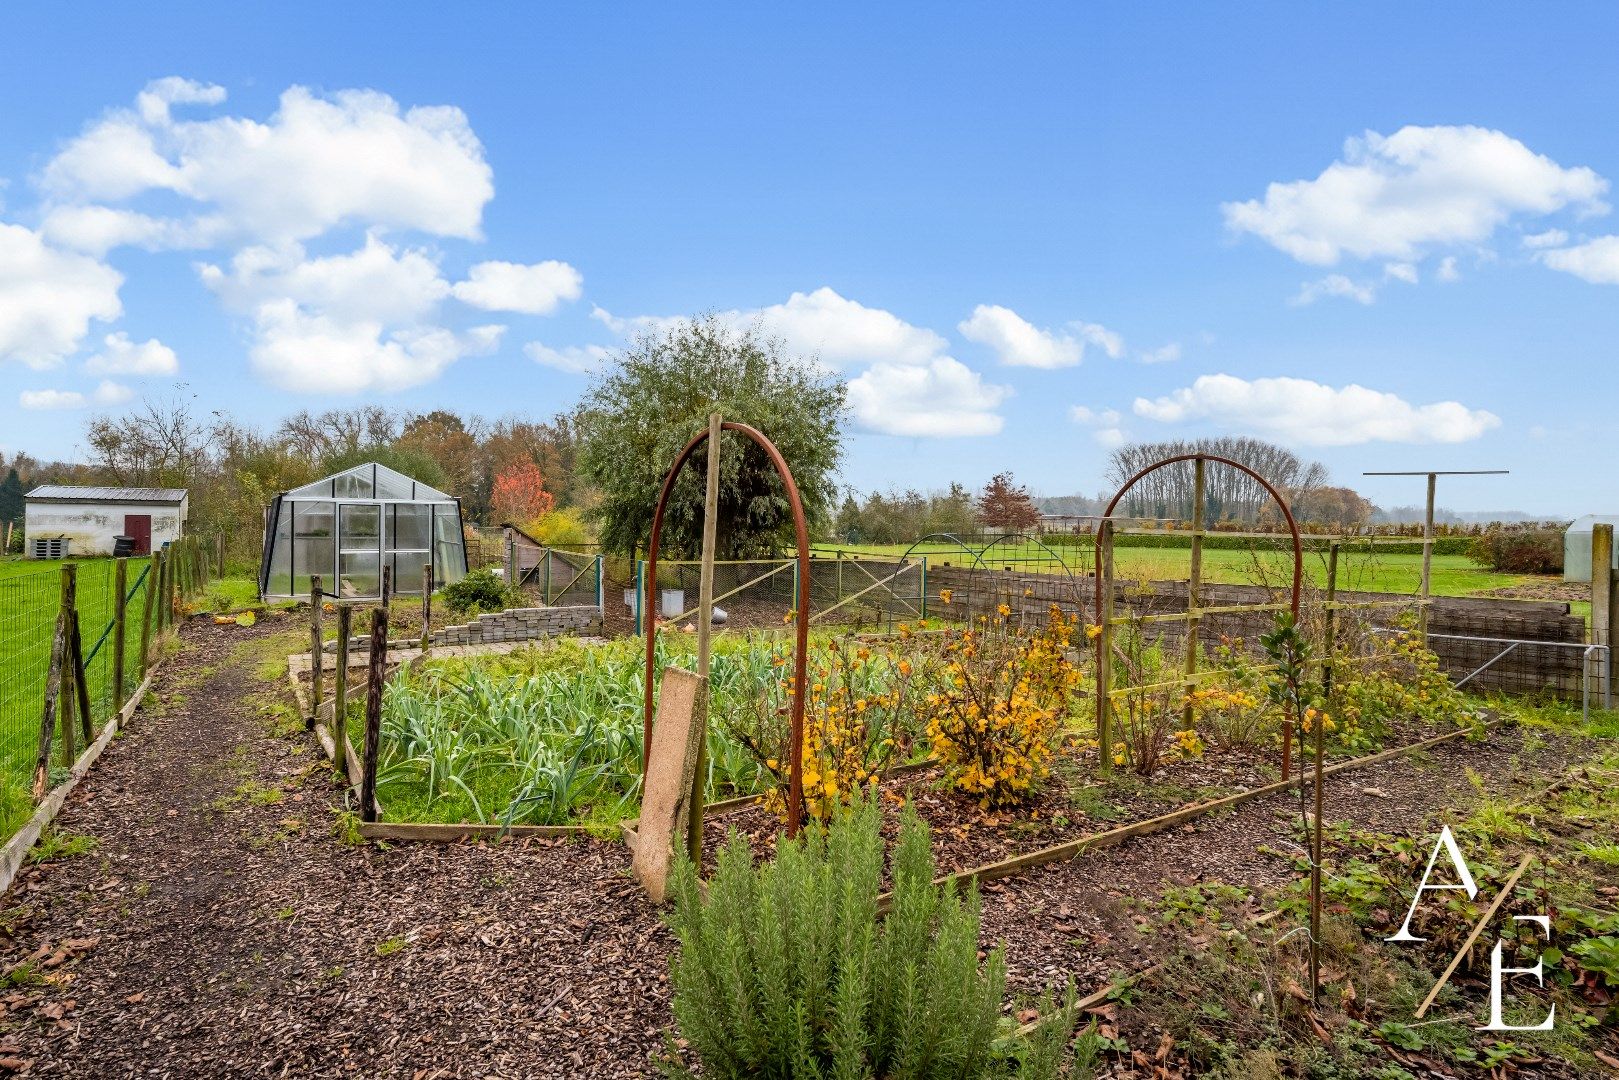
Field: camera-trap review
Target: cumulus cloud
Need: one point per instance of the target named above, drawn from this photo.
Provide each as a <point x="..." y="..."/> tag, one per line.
<point x="48" y="298"/>
<point x="941" y="398"/>
<point x="1596" y="261"/>
<point x="377" y="282"/>
<point x="1398" y="196"/>
<point x="1107" y="425"/>
<point x="1401" y="271"/>
<point x="1335" y="285"/>
<point x="1164" y="354"/>
<point x="106" y="393"/>
<point x="1549" y="239"/>
<point x="574" y="359"/>
<point x="838" y="331"/>
<point x="1019" y="343"/>
<point x="354" y="156"/>
<point x="120" y="356"/>
<point x="1310" y="413"/>
<point x="530" y="290"/>
<point x="313" y="352"/>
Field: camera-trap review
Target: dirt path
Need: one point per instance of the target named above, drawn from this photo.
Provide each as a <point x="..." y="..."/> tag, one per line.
<point x="218" y="928"/>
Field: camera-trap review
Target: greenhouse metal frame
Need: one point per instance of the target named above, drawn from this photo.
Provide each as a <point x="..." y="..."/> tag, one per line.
<point x="350" y="525"/>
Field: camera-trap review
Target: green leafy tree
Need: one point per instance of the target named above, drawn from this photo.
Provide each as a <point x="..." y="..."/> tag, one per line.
<point x="11" y="498"/>
<point x="644" y="407"/>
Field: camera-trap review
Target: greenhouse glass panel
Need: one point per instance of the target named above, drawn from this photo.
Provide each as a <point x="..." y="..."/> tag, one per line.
<point x="347" y="527"/>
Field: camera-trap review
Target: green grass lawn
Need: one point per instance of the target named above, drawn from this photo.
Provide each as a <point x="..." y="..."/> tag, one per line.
<point x="1453" y="575"/>
<point x="30" y="596"/>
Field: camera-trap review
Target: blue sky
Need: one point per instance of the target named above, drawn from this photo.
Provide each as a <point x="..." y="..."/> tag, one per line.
<point x="1022" y="232"/>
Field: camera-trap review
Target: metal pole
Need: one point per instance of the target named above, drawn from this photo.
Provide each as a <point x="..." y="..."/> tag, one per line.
<point x="1427" y="557"/>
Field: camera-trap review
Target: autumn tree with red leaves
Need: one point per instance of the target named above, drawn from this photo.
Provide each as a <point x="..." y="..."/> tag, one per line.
<point x="1005" y="504"/>
<point x="519" y="494"/>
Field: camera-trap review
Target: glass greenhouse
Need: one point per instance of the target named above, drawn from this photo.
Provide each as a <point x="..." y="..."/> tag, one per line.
<point x="347" y="527"/>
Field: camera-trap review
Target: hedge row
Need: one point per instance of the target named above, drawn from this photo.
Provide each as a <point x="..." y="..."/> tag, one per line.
<point x="1442" y="545"/>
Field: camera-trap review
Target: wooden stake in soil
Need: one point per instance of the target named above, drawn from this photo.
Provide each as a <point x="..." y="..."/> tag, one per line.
<point x="1104" y="646"/>
<point x="340" y="693"/>
<point x="375" y="672"/>
<point x="47" y="724"/>
<point x="70" y="685"/>
<point x="705" y="630"/>
<point x="147" y="615"/>
<point x="1194" y="584"/>
<point x="427" y="606"/>
<point x="1602" y="601"/>
<point x="120" y="581"/>
<point x="317" y="657"/>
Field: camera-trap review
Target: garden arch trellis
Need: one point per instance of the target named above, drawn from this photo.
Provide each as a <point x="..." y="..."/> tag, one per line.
<point x="983" y="545"/>
<point x="1104" y="586"/>
<point x="795" y="753"/>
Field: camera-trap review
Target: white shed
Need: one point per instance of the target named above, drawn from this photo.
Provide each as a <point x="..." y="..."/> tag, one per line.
<point x="90" y="518"/>
<point x="1577" y="546"/>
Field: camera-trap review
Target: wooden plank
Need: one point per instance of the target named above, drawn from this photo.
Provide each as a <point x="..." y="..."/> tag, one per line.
<point x="666" y="786"/>
<point x="450" y="833"/>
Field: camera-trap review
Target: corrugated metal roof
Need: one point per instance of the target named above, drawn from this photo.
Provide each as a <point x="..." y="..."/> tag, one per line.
<point x="70" y="493"/>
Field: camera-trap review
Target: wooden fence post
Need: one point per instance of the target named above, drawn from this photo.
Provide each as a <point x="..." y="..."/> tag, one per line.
<point x="1602" y="600"/>
<point x="1194" y="590"/>
<point x="340" y="693"/>
<point x="317" y="661"/>
<point x="160" y="569"/>
<point x="120" y="579"/>
<point x="427" y="606"/>
<point x="705" y="633"/>
<point x="147" y="615"/>
<point x="1329" y="631"/>
<point x="1104" y="646"/>
<point x="387" y="587"/>
<point x="374" y="672"/>
<point x="47" y="724"/>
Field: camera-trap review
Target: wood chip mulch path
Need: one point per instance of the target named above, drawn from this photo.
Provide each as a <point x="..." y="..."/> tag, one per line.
<point x="213" y="932"/>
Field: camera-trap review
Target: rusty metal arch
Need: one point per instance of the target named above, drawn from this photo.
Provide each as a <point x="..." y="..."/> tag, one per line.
<point x="795" y="753"/>
<point x="1287" y="512"/>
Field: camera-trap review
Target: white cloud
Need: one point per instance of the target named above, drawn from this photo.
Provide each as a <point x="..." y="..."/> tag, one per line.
<point x="1310" y="413"/>
<point x="940" y="399"/>
<point x="1401" y="271"/>
<point x="1447" y="270"/>
<point x="1397" y="196"/>
<point x="529" y="290"/>
<point x="1596" y="261"/>
<point x="120" y="356"/>
<point x="106" y="393"/>
<point x="838" y="331"/>
<point x="95" y="230"/>
<point x="48" y="298"/>
<point x="378" y="282"/>
<point x="1019" y="343"/>
<point x="320" y="161"/>
<point x="1549" y="239"/>
<point x="1335" y="285"/>
<point x="318" y="353"/>
<point x="1106" y="426"/>
<point x="574" y="359"/>
<point x="1164" y="354"/>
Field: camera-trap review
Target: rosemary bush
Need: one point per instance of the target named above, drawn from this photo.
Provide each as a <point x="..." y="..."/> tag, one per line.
<point x="784" y="970"/>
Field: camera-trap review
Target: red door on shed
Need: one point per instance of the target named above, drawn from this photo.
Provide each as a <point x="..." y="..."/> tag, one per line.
<point x="140" y="527"/>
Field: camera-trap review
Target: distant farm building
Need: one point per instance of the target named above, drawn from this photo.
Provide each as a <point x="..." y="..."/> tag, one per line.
<point x="61" y="520"/>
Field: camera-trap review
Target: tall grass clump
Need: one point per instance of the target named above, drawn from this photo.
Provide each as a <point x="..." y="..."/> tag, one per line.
<point x="784" y="969"/>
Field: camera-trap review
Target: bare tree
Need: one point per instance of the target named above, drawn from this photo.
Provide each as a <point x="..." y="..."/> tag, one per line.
<point x="158" y="444"/>
<point x="1231" y="495"/>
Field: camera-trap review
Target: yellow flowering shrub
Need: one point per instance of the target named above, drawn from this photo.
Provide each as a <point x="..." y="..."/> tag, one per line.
<point x="859" y="714"/>
<point x="999" y="704"/>
<point x="1394" y="677"/>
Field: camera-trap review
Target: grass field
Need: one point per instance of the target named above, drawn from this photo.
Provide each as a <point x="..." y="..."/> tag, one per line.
<point x="1453" y="575"/>
<point x="30" y="596"/>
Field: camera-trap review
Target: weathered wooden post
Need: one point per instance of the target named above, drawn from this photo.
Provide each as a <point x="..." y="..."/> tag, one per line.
<point x="148" y="614"/>
<point x="160" y="564"/>
<point x="340" y="693"/>
<point x="387" y="587"/>
<point x="1329" y="617"/>
<point x="374" y="673"/>
<point x="705" y="631"/>
<point x="120" y="581"/>
<point x="511" y="558"/>
<point x="1603" y="601"/>
<point x="1194" y="584"/>
<point x="317" y="662"/>
<point x="427" y="606"/>
<point x="1104" y="644"/>
<point x="53" y="689"/>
